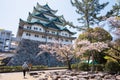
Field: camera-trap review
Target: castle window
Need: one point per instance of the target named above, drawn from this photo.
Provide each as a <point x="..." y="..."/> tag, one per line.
<point x="36" y="35"/>
<point x="40" y="29"/>
<point x="35" y="28"/>
<point x="28" y="27"/>
<point x="47" y="31"/>
<point x="53" y="32"/>
<point x="43" y="37"/>
<point x="66" y="40"/>
<point x="65" y="34"/>
<point x="28" y="34"/>
<point x="50" y="37"/>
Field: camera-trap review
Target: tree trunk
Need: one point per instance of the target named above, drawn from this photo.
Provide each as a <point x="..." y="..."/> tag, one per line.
<point x="69" y="65"/>
<point x="88" y="60"/>
<point x="92" y="68"/>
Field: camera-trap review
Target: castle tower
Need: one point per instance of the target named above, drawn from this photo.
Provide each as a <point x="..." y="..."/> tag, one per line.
<point x="44" y="26"/>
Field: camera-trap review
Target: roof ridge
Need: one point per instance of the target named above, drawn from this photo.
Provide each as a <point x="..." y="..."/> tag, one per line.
<point x="46" y="6"/>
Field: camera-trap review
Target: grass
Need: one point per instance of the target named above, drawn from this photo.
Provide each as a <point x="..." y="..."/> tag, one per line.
<point x="19" y="68"/>
<point x="4" y="69"/>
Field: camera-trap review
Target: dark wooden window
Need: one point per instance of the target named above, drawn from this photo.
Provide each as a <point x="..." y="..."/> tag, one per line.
<point x="66" y="40"/>
<point x="35" y="28"/>
<point x="43" y="37"/>
<point x="28" y="27"/>
<point x="50" y="37"/>
<point x="28" y="34"/>
<point x="36" y="35"/>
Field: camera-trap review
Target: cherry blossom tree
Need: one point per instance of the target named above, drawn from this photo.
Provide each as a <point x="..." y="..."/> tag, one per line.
<point x="85" y="45"/>
<point x="92" y="41"/>
<point x="115" y="25"/>
<point x="65" y="51"/>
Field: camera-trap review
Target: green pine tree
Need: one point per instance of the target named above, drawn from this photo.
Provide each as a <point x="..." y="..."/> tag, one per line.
<point x="115" y="11"/>
<point x="89" y="11"/>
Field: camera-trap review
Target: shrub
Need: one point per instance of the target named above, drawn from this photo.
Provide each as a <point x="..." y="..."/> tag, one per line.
<point x="112" y="67"/>
<point x="83" y="66"/>
<point x="38" y="67"/>
<point x="19" y="68"/>
<point x="99" y="67"/>
<point x="74" y="66"/>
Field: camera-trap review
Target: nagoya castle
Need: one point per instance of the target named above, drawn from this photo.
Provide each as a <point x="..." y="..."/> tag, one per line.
<point x="45" y="26"/>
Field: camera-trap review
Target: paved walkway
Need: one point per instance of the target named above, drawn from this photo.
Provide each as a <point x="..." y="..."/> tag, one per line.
<point x="19" y="75"/>
<point x="15" y="76"/>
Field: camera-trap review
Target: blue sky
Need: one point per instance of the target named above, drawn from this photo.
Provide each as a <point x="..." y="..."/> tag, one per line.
<point x="13" y="10"/>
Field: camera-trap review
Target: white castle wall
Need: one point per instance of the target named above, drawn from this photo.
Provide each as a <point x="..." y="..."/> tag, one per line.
<point x="64" y="33"/>
<point x="31" y="36"/>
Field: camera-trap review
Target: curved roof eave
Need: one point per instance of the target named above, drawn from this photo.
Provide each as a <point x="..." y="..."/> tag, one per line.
<point x="39" y="18"/>
<point x="52" y="25"/>
<point x="44" y="19"/>
<point x="57" y="20"/>
<point x="41" y="15"/>
<point x="31" y="22"/>
<point x="65" y="29"/>
<point x="45" y="12"/>
<point x="46" y="8"/>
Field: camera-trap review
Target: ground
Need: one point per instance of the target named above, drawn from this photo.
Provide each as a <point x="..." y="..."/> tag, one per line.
<point x="14" y="76"/>
<point x="59" y="75"/>
<point x="19" y="75"/>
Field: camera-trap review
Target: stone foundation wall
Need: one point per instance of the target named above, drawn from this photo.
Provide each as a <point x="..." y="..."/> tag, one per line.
<point x="29" y="51"/>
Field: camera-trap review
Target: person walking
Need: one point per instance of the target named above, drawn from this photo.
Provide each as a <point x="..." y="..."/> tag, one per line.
<point x="25" y="68"/>
<point x="30" y="66"/>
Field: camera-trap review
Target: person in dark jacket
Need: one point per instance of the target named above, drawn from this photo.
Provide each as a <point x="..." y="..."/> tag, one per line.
<point x="25" y="68"/>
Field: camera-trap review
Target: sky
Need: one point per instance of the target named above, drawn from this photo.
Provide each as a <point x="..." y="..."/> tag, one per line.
<point x="13" y="10"/>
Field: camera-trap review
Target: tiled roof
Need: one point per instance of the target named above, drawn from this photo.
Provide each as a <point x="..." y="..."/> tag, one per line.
<point x="49" y="25"/>
<point x="45" y="12"/>
<point x="57" y="20"/>
<point x="52" y="25"/>
<point x="32" y="22"/>
<point x="47" y="7"/>
<point x="65" y="29"/>
<point x="41" y="15"/>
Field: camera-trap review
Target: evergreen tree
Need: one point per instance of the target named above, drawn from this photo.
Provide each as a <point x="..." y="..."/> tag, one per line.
<point x="113" y="17"/>
<point x="115" y="11"/>
<point x="89" y="11"/>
